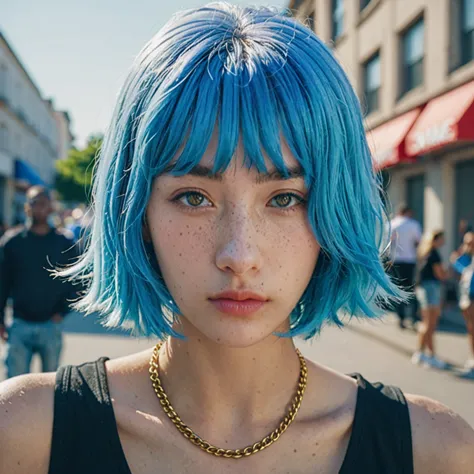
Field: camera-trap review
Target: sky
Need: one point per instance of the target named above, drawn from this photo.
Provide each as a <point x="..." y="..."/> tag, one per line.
<point x="78" y="52"/>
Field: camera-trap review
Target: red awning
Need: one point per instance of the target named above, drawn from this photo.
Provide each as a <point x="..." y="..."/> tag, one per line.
<point x="387" y="142"/>
<point x="446" y="119"/>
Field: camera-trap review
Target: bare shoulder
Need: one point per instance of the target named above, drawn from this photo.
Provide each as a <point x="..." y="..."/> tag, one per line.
<point x="128" y="378"/>
<point x="442" y="440"/>
<point x="26" y="420"/>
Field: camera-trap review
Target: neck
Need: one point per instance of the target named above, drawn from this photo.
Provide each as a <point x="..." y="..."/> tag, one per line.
<point x="40" y="228"/>
<point x="210" y="383"/>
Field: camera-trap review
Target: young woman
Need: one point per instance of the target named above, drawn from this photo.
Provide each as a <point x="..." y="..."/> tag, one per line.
<point x="463" y="263"/>
<point x="235" y="207"/>
<point x="430" y="274"/>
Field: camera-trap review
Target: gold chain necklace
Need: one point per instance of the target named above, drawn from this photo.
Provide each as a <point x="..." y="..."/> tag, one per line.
<point x="209" y="448"/>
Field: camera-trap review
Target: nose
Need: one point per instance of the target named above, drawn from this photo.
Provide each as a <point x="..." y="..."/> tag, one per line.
<point x="239" y="252"/>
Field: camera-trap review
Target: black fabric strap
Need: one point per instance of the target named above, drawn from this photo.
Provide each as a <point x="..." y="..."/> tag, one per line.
<point x="381" y="433"/>
<point x="85" y="437"/>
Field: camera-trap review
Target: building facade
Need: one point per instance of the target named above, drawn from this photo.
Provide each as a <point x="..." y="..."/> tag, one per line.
<point x="412" y="64"/>
<point x="65" y="136"/>
<point x="29" y="135"/>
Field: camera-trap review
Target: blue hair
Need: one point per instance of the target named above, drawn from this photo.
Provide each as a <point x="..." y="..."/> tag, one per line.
<point x="258" y="75"/>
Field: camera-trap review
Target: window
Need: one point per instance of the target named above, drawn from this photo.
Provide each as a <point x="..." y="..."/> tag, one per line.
<point x="3" y="137"/>
<point x="363" y="4"/>
<point x="415" y="194"/>
<point x="17" y="146"/>
<point x="3" y="81"/>
<point x="371" y="80"/>
<point x="412" y="50"/>
<point x="467" y="30"/>
<point x="337" y="16"/>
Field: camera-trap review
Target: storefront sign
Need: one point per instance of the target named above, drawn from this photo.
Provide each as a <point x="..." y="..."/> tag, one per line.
<point x="433" y="136"/>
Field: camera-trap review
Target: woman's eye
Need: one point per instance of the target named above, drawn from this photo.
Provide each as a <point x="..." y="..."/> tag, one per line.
<point x="192" y="199"/>
<point x="286" y="200"/>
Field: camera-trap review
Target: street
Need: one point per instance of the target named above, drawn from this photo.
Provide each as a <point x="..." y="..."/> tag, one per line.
<point x="377" y="349"/>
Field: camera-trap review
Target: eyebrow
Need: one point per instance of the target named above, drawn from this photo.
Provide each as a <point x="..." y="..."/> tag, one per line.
<point x="294" y="172"/>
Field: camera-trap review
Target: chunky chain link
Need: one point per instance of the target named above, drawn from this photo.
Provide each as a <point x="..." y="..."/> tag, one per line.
<point x="209" y="448"/>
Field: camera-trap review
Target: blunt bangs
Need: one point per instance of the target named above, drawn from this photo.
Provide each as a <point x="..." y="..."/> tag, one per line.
<point x="251" y="75"/>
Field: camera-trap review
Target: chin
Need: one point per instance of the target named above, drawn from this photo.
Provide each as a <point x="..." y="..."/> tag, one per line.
<point x="235" y="332"/>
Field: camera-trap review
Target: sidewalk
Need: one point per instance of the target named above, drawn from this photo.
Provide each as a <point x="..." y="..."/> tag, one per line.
<point x="451" y="339"/>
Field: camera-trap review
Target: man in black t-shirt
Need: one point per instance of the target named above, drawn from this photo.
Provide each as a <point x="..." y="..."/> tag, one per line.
<point x="28" y="254"/>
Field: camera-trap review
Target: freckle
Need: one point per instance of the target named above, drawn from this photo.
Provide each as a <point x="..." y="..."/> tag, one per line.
<point x="180" y="233"/>
<point x="295" y="451"/>
<point x="180" y="254"/>
<point x="314" y="454"/>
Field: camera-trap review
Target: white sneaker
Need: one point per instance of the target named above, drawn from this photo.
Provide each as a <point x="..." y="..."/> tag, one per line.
<point x="469" y="364"/>
<point x="467" y="373"/>
<point x="435" y="363"/>
<point x="418" y="358"/>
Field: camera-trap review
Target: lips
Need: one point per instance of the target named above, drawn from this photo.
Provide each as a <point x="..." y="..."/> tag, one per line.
<point x="238" y="303"/>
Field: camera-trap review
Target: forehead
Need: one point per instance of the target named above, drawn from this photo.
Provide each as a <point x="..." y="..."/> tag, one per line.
<point x="40" y="198"/>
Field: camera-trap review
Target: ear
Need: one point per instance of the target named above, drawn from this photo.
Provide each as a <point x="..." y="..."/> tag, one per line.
<point x="146" y="230"/>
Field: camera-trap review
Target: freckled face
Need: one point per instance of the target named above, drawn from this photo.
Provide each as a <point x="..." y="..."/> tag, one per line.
<point x="214" y="235"/>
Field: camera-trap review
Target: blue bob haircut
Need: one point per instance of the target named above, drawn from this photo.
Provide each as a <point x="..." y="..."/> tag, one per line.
<point x="249" y="74"/>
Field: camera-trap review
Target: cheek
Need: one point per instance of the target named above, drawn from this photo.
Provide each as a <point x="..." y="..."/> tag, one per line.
<point x="295" y="240"/>
<point x="291" y="253"/>
<point x="181" y="244"/>
<point x="294" y="254"/>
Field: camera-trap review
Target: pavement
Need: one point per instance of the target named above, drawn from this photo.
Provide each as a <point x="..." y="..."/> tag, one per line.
<point x="377" y="349"/>
<point x="382" y="352"/>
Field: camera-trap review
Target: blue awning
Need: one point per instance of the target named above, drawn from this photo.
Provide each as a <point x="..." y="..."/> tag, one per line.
<point x="25" y="172"/>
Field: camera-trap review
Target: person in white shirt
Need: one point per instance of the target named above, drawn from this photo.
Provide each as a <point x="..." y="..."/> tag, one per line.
<point x="406" y="235"/>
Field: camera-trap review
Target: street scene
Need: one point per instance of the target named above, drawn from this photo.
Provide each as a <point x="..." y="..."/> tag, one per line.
<point x="350" y="221"/>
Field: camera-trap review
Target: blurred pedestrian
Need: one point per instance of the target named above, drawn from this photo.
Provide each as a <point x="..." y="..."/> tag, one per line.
<point x="463" y="228"/>
<point x="28" y="254"/>
<point x="464" y="265"/>
<point x="430" y="273"/>
<point x="406" y="235"/>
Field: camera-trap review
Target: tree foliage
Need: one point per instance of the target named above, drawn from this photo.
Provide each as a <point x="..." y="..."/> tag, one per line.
<point x="74" y="174"/>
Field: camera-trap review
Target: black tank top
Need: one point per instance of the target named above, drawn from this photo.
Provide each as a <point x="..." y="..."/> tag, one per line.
<point x="86" y="440"/>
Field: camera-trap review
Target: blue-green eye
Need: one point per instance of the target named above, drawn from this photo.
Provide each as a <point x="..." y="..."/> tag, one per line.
<point x="193" y="199"/>
<point x="286" y="200"/>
